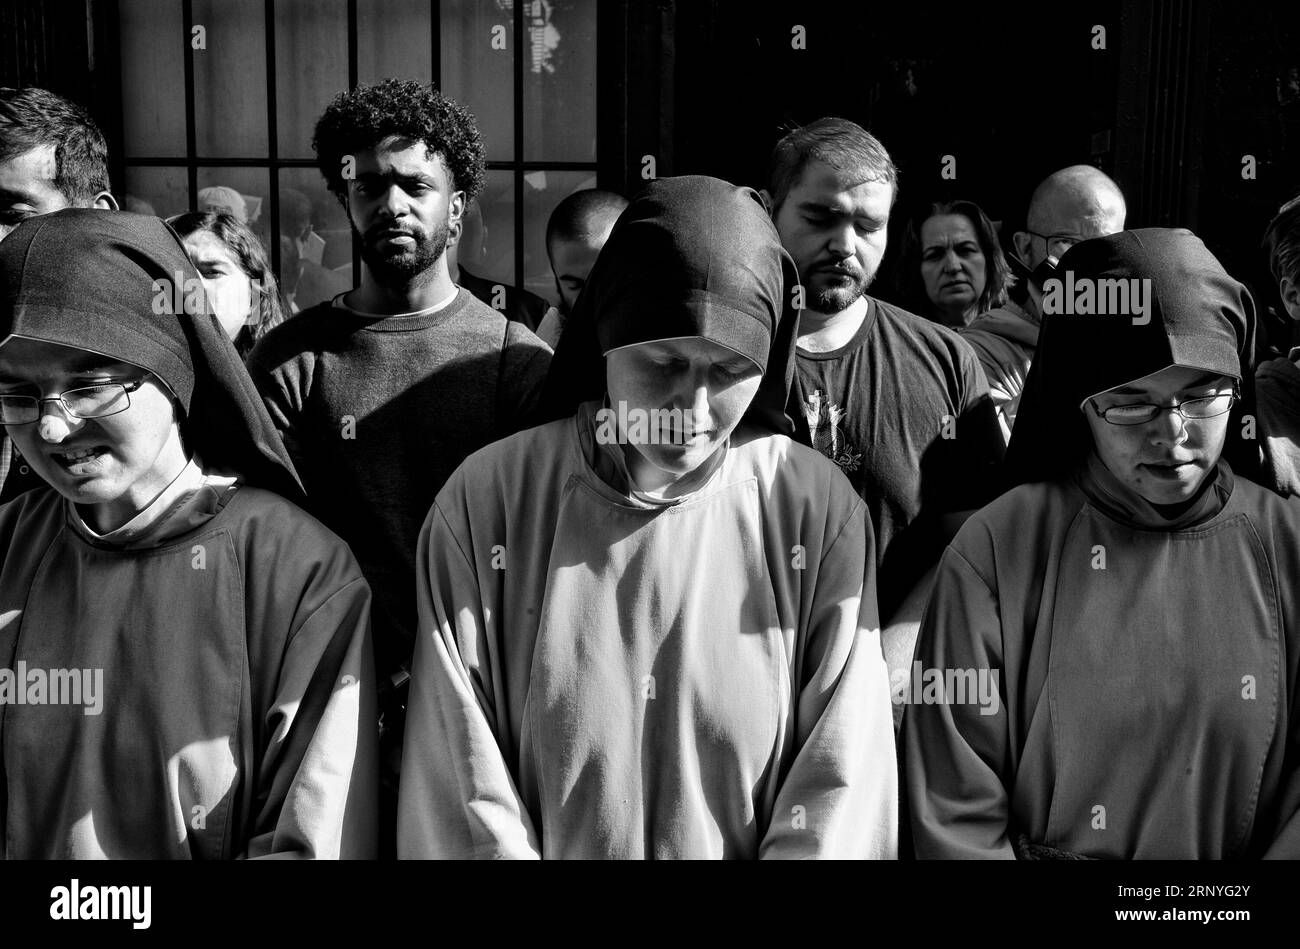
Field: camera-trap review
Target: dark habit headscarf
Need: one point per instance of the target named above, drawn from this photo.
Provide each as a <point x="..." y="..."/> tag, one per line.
<point x="690" y="256"/>
<point x="1196" y="316"/>
<point x="109" y="282"/>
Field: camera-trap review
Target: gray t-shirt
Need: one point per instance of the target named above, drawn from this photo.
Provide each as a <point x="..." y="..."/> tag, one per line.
<point x="903" y="408"/>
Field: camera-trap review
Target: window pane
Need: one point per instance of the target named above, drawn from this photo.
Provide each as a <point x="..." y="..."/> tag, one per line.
<point x="158" y="191"/>
<point x="543" y="190"/>
<point x="229" y="79"/>
<point x="153" y="87"/>
<point x="487" y="246"/>
<point x="560" y="80"/>
<point x="314" y="231"/>
<point x="478" y="76"/>
<point x="252" y="185"/>
<point x="311" y="67"/>
<point x="394" y="39"/>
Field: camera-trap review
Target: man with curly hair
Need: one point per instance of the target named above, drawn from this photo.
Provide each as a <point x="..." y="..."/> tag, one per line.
<point x="383" y="391"/>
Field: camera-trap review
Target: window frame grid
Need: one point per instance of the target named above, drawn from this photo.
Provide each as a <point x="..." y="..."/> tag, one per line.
<point x="273" y="163"/>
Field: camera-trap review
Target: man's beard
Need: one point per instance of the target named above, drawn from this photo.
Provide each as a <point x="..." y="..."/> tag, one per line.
<point x="398" y="266"/>
<point x="831" y="300"/>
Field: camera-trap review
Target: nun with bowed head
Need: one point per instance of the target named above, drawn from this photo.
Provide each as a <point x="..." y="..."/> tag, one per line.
<point x="1134" y="599"/>
<point x="648" y="628"/>
<point x="219" y="635"/>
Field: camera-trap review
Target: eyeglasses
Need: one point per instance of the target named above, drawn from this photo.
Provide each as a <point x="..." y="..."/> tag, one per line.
<point x="87" y="402"/>
<point x="1139" y="413"/>
<point x="1057" y="244"/>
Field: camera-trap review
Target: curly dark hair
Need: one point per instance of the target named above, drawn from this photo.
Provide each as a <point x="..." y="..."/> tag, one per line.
<point x="363" y="117"/>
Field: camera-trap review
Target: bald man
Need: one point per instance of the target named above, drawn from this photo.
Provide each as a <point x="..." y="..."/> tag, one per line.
<point x="1071" y="205"/>
<point x="575" y="233"/>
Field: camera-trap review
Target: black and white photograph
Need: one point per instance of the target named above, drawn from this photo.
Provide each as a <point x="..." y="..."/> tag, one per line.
<point x="617" y="431"/>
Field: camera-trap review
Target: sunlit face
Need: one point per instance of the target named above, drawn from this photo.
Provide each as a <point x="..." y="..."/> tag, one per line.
<point x="1164" y="460"/>
<point x="712" y="383"/>
<point x="112" y="466"/>
<point x="953" y="267"/>
<point x="835" y="229"/>
<point x="27" y="187"/>
<point x="402" y="204"/>
<point x="571" y="262"/>
<point x="229" y="289"/>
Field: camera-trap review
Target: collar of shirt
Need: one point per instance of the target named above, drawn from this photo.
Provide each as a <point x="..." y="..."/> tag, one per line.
<point x="440" y="305"/>
<point x="1120" y="502"/>
<point x="610" y="464"/>
<point x="193" y="498"/>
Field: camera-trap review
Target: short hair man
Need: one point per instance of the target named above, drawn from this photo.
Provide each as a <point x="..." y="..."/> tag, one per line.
<point x="899" y="402"/>
<point x="52" y="156"/>
<point x="515" y="303"/>
<point x="1070" y="205"/>
<point x="576" y="231"/>
<point x="381" y="393"/>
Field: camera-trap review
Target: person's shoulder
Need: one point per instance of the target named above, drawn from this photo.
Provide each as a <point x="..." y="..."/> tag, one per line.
<point x="470" y="310"/>
<point x="1277" y="394"/>
<point x="524" y="455"/>
<point x="478" y="324"/>
<point x="1017" y="516"/>
<point x="779" y="449"/>
<point x="791" y="469"/>
<point x="1277" y="373"/>
<point x="528" y="467"/>
<point x="517" y="334"/>
<point x="916" y="332"/>
<point x="1031" y="499"/>
<point x="301" y="336"/>
<point x="1007" y="326"/>
<point x="38" y="506"/>
<point x="274" y="523"/>
<point x="1266" y="506"/>
<point x="893" y="315"/>
<point x="253" y="504"/>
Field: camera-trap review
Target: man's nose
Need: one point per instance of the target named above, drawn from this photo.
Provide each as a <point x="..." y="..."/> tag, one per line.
<point x="395" y="202"/>
<point x="841" y="242"/>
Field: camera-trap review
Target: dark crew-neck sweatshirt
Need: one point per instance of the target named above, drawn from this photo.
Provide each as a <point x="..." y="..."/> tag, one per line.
<point x="377" y="412"/>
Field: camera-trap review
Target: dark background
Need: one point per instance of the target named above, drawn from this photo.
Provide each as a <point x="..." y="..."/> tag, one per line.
<point x="1182" y="91"/>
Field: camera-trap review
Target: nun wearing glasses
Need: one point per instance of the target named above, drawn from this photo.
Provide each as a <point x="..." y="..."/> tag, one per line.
<point x="185" y="660"/>
<point x="1133" y="596"/>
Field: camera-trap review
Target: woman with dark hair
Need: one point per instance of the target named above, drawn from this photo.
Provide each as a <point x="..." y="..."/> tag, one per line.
<point x="236" y="274"/>
<point x="648" y="629"/>
<point x="1277" y="382"/>
<point x="953" y="266"/>
<point x="209" y="640"/>
<point x="1134" y="599"/>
